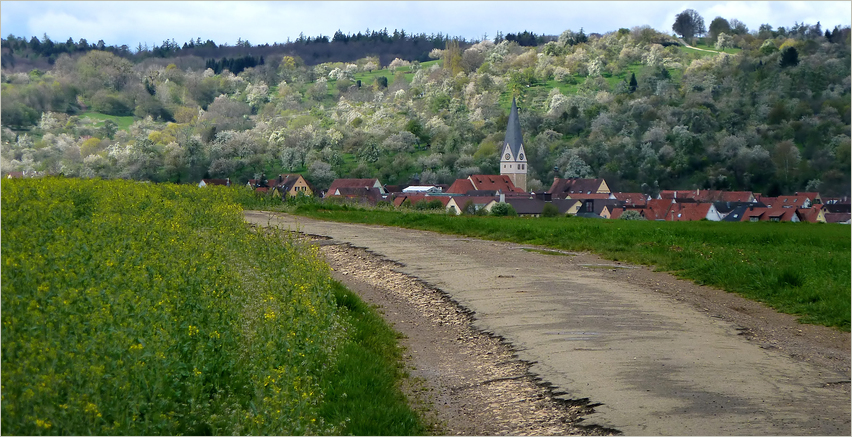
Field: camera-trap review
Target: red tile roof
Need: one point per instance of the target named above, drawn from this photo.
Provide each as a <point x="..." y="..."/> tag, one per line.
<point x="809" y="215"/>
<point x="767" y="214"/>
<point x="737" y="196"/>
<point x="791" y="201"/>
<point x="494" y="182"/>
<point x="688" y="212"/>
<point x="460" y="186"/>
<point x="631" y="198"/>
<point x="658" y="209"/>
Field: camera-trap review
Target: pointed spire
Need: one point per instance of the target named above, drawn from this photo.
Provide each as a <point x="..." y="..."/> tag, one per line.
<point x="513" y="131"/>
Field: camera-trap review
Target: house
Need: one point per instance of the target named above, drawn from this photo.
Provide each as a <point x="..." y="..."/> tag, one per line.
<point x="812" y="215"/>
<point x="292" y="185"/>
<point x="677" y="195"/>
<point x="658" y="209"/>
<point x="813" y="196"/>
<point x="15" y="175"/>
<point x="685" y="212"/>
<point x="513" y="161"/>
<point x="205" y="182"/>
<point x="737" y="196"/>
<point x="838" y="217"/>
<point x="415" y="198"/>
<point x="766" y="200"/>
<point x="431" y="189"/>
<point x="354" y="186"/>
<point x="527" y="207"/>
<point x="776" y="214"/>
<point x="633" y="199"/>
<point x="792" y="202"/>
<point x="564" y="188"/>
<point x="836" y="207"/>
<point x="726" y="207"/>
<point x="616" y="212"/>
<point x="501" y="184"/>
<point x="457" y="203"/>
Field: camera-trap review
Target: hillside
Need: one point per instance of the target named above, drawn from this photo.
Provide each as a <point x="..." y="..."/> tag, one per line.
<point x="766" y="111"/>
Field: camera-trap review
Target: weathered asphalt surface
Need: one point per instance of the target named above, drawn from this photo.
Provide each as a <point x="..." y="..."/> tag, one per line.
<point x="655" y="365"/>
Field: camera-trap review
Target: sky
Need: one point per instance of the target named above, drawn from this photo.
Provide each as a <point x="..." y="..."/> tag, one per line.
<point x="152" y="22"/>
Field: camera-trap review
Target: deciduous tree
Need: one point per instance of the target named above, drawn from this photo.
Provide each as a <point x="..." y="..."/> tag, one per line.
<point x="689" y="24"/>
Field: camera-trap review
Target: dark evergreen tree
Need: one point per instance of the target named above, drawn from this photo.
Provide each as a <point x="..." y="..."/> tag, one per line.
<point x="789" y="57"/>
<point x="633" y="82"/>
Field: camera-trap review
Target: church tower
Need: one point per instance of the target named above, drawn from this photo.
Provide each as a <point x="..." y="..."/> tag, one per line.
<point x="513" y="160"/>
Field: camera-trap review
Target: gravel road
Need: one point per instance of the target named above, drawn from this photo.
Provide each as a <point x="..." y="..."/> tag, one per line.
<point x="585" y="345"/>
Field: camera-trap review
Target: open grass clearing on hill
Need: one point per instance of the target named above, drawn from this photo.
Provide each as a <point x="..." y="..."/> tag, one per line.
<point x="149" y="309"/>
<point x="98" y="119"/>
<point x="796" y="268"/>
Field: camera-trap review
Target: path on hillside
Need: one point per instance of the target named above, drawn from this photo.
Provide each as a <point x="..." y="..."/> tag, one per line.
<point x="696" y="48"/>
<point x="651" y="354"/>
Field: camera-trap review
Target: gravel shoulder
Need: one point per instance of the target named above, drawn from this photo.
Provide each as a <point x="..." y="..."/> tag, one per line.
<point x="483" y="363"/>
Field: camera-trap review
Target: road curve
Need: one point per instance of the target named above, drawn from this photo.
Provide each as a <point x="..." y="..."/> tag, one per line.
<point x="655" y="365"/>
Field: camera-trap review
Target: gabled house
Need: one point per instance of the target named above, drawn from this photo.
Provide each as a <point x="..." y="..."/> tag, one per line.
<point x="777" y="214"/>
<point x="205" y="182"/>
<point x="415" y="198"/>
<point x="658" y="209"/>
<point x="813" y="196"/>
<point x="292" y="185"/>
<point x="812" y="215"/>
<point x="502" y="183"/>
<point x="687" y="212"/>
<point x="737" y="196"/>
<point x="430" y="189"/>
<point x="615" y="212"/>
<point x="565" y="188"/>
<point x="632" y="199"/>
<point x="527" y="207"/>
<point x="457" y="203"/>
<point x="792" y="202"/>
<point x="351" y="187"/>
<point x="677" y="195"/>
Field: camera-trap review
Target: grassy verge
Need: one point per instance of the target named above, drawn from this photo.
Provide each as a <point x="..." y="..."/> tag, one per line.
<point x="796" y="268"/>
<point x="361" y="389"/>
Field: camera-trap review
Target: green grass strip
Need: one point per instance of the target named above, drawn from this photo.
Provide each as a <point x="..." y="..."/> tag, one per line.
<point x="361" y="390"/>
<point x="796" y="268"/>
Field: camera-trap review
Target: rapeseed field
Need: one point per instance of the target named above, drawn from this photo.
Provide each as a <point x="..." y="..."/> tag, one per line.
<point x="135" y="308"/>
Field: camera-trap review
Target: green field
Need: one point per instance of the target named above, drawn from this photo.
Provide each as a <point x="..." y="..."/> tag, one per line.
<point x="143" y="309"/>
<point x="797" y="268"/>
<point x="99" y="119"/>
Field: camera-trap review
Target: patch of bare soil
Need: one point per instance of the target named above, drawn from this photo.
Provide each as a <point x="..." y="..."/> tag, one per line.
<point x="464" y="381"/>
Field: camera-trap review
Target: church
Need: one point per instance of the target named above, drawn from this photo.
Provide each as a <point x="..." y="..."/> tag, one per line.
<point x="513" y="161"/>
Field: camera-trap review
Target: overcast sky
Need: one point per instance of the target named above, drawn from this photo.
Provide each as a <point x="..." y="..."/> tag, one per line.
<point x="152" y="22"/>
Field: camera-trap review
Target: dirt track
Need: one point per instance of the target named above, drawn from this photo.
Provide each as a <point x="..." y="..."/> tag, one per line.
<point x="649" y="353"/>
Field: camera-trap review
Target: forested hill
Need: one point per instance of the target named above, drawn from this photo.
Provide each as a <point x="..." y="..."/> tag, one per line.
<point x="765" y="110"/>
<point x="22" y="54"/>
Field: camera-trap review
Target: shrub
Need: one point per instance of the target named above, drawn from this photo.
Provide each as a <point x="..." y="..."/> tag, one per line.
<point x="503" y="209"/>
<point x="631" y="215"/>
<point x="550" y="210"/>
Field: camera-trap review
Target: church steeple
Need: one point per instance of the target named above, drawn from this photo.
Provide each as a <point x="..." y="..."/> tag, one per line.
<point x="513" y="161"/>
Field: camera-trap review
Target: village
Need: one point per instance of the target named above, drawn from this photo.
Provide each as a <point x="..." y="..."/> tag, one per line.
<point x="581" y="197"/>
